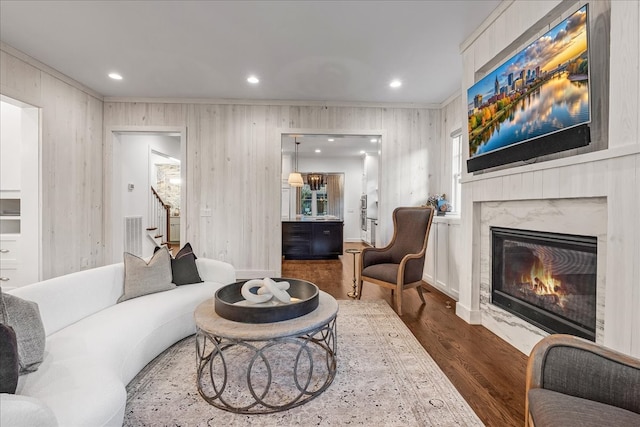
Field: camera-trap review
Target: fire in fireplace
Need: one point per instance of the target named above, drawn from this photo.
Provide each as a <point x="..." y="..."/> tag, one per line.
<point x="548" y="279"/>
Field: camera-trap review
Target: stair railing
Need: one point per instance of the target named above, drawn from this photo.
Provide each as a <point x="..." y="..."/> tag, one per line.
<point x="160" y="213"/>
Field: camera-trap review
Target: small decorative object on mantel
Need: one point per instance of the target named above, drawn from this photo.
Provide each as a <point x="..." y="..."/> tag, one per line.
<point x="439" y="203"/>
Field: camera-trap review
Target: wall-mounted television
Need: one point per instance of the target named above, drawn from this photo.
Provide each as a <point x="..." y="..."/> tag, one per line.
<point x="536" y="103"/>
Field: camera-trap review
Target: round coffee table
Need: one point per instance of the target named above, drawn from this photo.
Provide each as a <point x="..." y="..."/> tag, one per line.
<point x="261" y="368"/>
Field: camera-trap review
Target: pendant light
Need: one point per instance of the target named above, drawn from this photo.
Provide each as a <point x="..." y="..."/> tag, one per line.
<point x="295" y="179"/>
<point x="316" y="181"/>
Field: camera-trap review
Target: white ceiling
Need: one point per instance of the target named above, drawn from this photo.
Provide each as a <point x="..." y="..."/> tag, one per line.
<point x="335" y="51"/>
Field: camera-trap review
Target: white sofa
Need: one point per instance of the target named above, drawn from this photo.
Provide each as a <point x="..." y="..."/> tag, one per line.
<point x="94" y="346"/>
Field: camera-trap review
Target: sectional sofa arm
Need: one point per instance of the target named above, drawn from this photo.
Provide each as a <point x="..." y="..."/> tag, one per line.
<point x="212" y="270"/>
<point x="22" y="411"/>
<point x="581" y="368"/>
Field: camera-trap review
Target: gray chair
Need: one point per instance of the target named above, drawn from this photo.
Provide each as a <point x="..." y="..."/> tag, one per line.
<point x="399" y="265"/>
<point x="575" y="382"/>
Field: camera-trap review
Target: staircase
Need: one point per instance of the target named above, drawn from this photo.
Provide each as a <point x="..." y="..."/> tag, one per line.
<point x="158" y="229"/>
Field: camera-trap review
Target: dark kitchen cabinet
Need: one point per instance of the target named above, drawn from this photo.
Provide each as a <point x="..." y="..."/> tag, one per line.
<point x="312" y="239"/>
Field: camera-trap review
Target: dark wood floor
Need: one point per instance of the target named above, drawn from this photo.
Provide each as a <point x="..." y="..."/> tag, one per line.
<point x="487" y="371"/>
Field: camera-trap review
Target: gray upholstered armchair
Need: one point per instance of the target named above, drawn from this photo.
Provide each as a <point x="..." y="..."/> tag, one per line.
<point x="399" y="265"/>
<point x="575" y="382"/>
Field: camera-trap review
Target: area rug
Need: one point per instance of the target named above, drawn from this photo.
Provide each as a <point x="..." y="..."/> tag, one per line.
<point x="384" y="378"/>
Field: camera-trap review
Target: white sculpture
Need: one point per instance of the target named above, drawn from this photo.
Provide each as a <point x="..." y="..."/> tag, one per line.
<point x="266" y="289"/>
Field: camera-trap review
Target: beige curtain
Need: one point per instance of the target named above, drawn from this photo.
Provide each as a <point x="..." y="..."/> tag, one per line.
<point x="298" y="195"/>
<point x="335" y="188"/>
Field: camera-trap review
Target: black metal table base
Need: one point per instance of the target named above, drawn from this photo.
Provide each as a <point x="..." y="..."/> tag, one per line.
<point x="261" y="377"/>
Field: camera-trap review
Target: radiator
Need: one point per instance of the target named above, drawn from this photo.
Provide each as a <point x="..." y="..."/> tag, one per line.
<point x="133" y="235"/>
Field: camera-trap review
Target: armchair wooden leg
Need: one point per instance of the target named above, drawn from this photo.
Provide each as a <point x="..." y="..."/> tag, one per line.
<point x="359" y="288"/>
<point x="420" y="294"/>
<point x="399" y="302"/>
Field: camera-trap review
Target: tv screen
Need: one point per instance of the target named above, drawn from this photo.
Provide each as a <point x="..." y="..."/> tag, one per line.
<point x="540" y="91"/>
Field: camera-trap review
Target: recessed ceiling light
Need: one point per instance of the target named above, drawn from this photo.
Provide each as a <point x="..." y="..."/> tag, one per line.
<point x="318" y="150"/>
<point x="330" y="139"/>
<point x="361" y="151"/>
<point x="253" y="80"/>
<point x="115" y="76"/>
<point x="374" y="140"/>
<point x="395" y="83"/>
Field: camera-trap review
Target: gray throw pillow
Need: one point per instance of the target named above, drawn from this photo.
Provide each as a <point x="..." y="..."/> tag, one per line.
<point x="9" y="362"/>
<point x="24" y="317"/>
<point x="142" y="278"/>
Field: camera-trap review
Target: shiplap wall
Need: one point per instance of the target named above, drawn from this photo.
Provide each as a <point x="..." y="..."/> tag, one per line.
<point x="613" y="172"/>
<point x="71" y="157"/>
<point x="233" y="166"/>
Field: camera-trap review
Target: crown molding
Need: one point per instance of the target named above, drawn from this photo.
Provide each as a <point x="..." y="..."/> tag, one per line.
<point x="450" y="99"/>
<point x="277" y="102"/>
<point x="47" y="69"/>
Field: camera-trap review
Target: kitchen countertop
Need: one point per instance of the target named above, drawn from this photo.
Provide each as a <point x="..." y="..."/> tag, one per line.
<point x="312" y="220"/>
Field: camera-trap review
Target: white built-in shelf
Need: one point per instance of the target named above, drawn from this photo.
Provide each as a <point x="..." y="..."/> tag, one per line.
<point x="10" y="218"/>
<point x="9" y="226"/>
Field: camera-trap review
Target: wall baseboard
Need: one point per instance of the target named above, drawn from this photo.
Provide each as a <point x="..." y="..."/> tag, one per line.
<point x="473" y="317"/>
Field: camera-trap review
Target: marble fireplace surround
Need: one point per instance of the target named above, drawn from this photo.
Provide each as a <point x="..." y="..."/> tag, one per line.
<point x="579" y="216"/>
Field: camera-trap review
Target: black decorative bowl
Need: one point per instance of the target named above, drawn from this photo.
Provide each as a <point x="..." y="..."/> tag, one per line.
<point x="304" y="295"/>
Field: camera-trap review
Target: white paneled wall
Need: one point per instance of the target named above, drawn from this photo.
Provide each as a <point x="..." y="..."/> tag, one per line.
<point x="625" y="64"/>
<point x="234" y="166"/>
<point x="610" y="172"/>
<point x="71" y="156"/>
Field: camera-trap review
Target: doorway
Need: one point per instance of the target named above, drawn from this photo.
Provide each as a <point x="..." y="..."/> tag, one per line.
<point x="355" y="156"/>
<point x="20" y="213"/>
<point x="147" y="190"/>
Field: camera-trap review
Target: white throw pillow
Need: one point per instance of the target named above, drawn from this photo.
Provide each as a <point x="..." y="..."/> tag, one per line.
<point x="142" y="278"/>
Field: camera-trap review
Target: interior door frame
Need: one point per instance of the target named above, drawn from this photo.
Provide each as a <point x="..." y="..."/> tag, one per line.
<point x="280" y="132"/>
<point x="113" y="210"/>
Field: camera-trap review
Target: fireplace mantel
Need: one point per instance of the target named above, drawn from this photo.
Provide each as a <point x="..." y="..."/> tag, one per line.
<point x="581" y="216"/>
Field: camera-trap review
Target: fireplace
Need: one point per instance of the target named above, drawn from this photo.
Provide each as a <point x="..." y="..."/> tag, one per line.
<point x="547" y="279"/>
